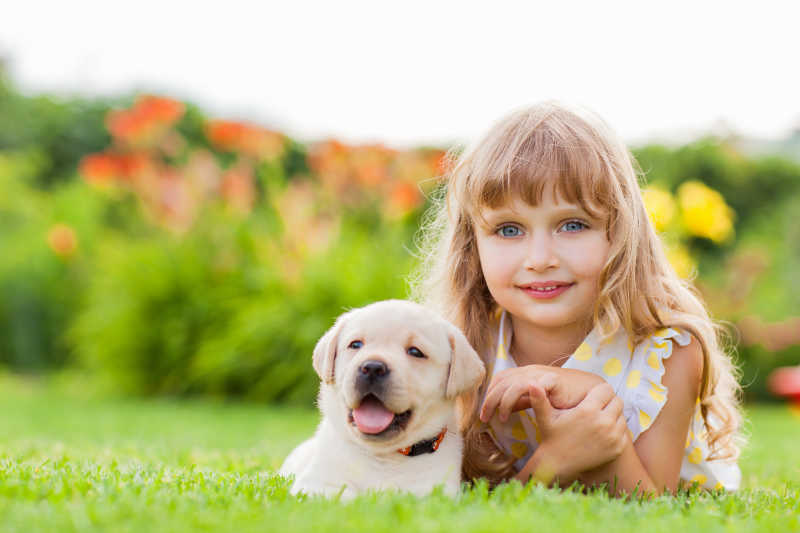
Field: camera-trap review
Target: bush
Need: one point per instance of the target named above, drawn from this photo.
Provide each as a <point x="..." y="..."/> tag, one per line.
<point x="219" y="312"/>
<point x="44" y="238"/>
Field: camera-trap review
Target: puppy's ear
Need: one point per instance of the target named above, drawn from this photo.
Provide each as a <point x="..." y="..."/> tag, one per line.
<point x="466" y="368"/>
<point x="325" y="351"/>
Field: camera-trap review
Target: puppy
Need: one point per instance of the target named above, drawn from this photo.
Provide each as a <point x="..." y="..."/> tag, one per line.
<point x="391" y="372"/>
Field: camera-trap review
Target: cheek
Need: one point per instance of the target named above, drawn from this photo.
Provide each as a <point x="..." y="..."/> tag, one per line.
<point x="341" y="369"/>
<point x="497" y="263"/>
<point x="429" y="381"/>
<point x="588" y="260"/>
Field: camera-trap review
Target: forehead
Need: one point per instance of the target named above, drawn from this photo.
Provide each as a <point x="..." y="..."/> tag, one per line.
<point x="542" y="166"/>
<point x="395" y="326"/>
<point x="551" y="204"/>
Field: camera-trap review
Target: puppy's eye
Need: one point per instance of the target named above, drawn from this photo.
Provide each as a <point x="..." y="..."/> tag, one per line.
<point x="416" y="352"/>
<point x="355" y="345"/>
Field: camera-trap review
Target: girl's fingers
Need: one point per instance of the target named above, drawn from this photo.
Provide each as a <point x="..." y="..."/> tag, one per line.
<point x="493" y="395"/>
<point x="547" y="381"/>
<point x="614" y="407"/>
<point x="540" y="403"/>
<point x="598" y="397"/>
<point x="509" y="399"/>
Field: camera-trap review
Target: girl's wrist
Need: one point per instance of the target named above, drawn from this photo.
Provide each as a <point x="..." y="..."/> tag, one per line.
<point x="546" y="466"/>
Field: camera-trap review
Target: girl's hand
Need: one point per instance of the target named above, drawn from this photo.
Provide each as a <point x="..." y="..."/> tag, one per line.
<point x="508" y="391"/>
<point x="578" y="439"/>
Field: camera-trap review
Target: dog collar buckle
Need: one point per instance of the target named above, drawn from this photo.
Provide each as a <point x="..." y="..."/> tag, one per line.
<point x="424" y="446"/>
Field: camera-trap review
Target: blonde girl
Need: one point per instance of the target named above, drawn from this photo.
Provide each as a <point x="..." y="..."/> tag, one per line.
<point x="602" y="365"/>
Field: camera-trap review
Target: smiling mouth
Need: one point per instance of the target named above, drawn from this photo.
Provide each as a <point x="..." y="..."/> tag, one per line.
<point x="373" y="419"/>
<point x="542" y="291"/>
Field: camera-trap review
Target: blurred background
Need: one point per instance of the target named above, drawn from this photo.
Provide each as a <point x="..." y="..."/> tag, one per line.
<point x="189" y="197"/>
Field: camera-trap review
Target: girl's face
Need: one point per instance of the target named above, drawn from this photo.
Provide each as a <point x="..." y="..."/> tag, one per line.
<point x="542" y="264"/>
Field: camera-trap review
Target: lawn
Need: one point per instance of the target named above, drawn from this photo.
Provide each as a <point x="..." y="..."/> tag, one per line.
<point x="69" y="462"/>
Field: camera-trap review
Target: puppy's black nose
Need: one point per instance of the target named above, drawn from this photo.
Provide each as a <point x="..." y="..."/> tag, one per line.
<point x="373" y="370"/>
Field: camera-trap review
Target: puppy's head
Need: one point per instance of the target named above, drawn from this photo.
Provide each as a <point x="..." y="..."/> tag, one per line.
<point x="391" y="372"/>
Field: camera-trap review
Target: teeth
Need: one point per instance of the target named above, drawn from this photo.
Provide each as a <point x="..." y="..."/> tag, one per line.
<point x="544" y="289"/>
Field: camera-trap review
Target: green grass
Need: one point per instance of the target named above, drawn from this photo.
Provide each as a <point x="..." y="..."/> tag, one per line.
<point x="72" y="463"/>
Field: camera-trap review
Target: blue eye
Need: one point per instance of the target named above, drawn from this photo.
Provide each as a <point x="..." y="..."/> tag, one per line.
<point x="355" y="345"/>
<point x="574" y="225"/>
<point x="509" y="231"/>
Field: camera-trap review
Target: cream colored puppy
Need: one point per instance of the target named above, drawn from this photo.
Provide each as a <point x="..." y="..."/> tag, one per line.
<point x="391" y="372"/>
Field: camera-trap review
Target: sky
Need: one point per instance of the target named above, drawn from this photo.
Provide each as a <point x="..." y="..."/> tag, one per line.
<point x="412" y="73"/>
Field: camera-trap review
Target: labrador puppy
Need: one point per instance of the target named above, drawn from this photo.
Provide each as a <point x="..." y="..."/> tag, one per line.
<point x="391" y="372"/>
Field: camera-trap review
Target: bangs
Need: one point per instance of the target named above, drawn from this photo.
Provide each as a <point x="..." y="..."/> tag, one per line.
<point x="551" y="158"/>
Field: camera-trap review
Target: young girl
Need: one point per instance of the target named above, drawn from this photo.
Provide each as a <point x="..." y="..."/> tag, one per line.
<point x="602" y="365"/>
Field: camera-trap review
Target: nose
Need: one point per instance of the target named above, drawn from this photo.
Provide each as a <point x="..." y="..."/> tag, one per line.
<point x="373" y="370"/>
<point x="541" y="253"/>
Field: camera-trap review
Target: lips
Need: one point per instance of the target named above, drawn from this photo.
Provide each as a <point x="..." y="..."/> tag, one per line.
<point x="545" y="289"/>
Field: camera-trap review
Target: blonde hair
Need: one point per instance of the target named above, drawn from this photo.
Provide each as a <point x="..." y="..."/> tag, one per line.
<point x="576" y="153"/>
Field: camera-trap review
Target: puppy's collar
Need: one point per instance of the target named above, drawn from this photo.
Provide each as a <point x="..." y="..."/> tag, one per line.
<point x="424" y="446"/>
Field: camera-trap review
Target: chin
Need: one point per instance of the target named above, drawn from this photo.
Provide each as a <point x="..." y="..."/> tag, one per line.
<point x="547" y="319"/>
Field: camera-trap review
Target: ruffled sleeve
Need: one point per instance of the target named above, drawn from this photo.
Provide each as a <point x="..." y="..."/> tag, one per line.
<point x="643" y="393"/>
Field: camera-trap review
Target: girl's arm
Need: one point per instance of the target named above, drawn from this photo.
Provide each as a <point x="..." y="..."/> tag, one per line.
<point x="651" y="464"/>
<point x="655" y="459"/>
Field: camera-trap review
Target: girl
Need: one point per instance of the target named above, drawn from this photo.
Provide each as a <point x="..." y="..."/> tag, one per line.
<point x="602" y="365"/>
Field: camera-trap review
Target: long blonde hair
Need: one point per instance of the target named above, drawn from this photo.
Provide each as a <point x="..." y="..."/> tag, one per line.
<point x="577" y="154"/>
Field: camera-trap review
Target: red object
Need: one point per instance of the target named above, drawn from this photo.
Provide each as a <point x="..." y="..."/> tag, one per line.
<point x="785" y="381"/>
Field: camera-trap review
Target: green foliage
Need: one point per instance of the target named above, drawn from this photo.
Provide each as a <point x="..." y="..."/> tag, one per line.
<point x="39" y="291"/>
<point x="60" y="130"/>
<point x="217" y="312"/>
<point x="772" y="294"/>
<point x="232" y="302"/>
<point x="74" y="464"/>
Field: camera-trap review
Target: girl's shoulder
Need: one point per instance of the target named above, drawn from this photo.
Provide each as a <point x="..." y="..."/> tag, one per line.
<point x="658" y="337"/>
<point x="668" y="362"/>
<point x="654" y="355"/>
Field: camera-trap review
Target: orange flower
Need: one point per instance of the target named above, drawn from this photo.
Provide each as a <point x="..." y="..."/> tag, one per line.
<point x="224" y="134"/>
<point x="164" y="110"/>
<point x="62" y="240"/>
<point x="146" y="121"/>
<point x="404" y="197"/>
<point x="131" y="165"/>
<point x="254" y="141"/>
<point x="98" y="169"/>
<point x="104" y="168"/>
<point x="126" y="124"/>
<point x="440" y="163"/>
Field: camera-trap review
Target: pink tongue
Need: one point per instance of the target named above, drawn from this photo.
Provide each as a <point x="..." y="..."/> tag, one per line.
<point x="371" y="416"/>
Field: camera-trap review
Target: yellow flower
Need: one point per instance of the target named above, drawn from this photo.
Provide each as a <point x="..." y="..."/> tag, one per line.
<point x="660" y="206"/>
<point x="705" y="213"/>
<point x="681" y="260"/>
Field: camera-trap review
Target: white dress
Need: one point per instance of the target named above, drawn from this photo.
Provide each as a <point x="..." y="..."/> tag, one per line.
<point x="635" y="374"/>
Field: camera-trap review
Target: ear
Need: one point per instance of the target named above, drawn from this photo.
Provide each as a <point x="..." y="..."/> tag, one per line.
<point x="325" y="351"/>
<point x="466" y="368"/>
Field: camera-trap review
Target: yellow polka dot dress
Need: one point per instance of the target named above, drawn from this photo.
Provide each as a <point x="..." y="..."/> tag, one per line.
<point x="635" y="373"/>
